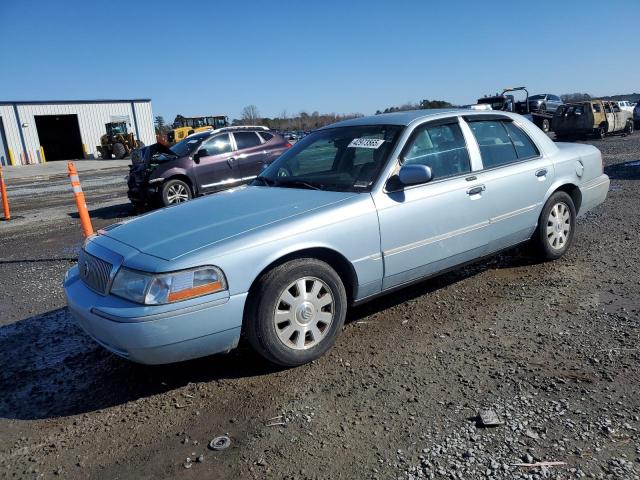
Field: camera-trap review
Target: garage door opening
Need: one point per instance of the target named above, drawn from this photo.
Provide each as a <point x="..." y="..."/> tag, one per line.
<point x="59" y="136"/>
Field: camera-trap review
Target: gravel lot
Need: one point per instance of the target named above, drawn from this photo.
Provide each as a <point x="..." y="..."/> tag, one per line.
<point x="552" y="348"/>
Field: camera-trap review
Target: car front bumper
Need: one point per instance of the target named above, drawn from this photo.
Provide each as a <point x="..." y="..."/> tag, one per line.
<point x="156" y="335"/>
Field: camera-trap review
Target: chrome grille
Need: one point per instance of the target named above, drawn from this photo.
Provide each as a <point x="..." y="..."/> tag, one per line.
<point x="94" y="272"/>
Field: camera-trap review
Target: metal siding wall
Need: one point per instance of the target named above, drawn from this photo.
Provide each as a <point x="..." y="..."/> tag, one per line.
<point x="144" y="115"/>
<point x="91" y="120"/>
<point x="12" y="132"/>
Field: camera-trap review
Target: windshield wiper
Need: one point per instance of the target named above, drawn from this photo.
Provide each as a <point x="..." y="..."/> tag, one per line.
<point x="266" y="181"/>
<point x="297" y="183"/>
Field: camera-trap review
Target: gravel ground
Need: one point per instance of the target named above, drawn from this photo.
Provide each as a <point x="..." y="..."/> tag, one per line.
<point x="551" y="348"/>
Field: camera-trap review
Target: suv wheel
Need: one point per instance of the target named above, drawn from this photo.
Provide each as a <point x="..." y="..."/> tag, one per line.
<point x="629" y="128"/>
<point x="296" y="312"/>
<point x="175" y="191"/>
<point x="601" y="132"/>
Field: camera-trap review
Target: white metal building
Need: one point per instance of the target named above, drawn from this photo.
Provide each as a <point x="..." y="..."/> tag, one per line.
<point x="39" y="131"/>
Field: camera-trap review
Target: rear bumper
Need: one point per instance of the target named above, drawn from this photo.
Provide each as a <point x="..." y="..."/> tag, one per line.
<point x="156" y="337"/>
<point x="594" y="193"/>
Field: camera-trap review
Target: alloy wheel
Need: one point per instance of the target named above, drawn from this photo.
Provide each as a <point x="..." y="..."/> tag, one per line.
<point x="177" y="194"/>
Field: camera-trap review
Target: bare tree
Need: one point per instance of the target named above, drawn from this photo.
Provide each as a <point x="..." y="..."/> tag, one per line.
<point x="250" y="115"/>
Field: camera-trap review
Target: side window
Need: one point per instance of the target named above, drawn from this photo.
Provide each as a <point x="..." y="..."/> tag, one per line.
<point x="596" y="107"/>
<point x="217" y="145"/>
<point x="266" y="136"/>
<point x="441" y="147"/>
<point x="495" y="145"/>
<point x="524" y="146"/>
<point x="607" y="108"/>
<point x="616" y="108"/>
<point x="246" y="139"/>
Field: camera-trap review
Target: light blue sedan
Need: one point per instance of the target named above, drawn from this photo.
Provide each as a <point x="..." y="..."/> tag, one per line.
<point x="352" y="211"/>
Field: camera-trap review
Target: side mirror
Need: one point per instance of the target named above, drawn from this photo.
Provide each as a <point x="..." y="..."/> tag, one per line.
<point x="201" y="153"/>
<point x="414" y="174"/>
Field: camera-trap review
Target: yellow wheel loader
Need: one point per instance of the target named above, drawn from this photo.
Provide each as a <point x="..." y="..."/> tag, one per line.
<point x="118" y="142"/>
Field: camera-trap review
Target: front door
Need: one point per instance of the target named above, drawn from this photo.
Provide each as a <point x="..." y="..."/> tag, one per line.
<point x="214" y="165"/>
<point x="516" y="176"/>
<point x="428" y="228"/>
<point x="251" y="155"/>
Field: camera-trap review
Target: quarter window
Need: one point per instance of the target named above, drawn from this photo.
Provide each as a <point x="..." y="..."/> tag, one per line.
<point x="218" y="144"/>
<point x="246" y="140"/>
<point x="266" y="136"/>
<point x="441" y="147"/>
<point x="524" y="146"/>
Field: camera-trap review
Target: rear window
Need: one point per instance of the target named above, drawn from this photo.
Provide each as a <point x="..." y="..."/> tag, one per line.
<point x="246" y="140"/>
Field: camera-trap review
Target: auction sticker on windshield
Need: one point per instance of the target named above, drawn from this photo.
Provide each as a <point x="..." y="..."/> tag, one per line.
<point x="366" y="143"/>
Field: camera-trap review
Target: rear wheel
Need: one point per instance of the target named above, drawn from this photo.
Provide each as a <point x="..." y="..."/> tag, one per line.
<point x="175" y="191"/>
<point x="601" y="132"/>
<point x="119" y="151"/>
<point x="556" y="226"/>
<point x="629" y="128"/>
<point x="296" y="312"/>
<point x="546" y="126"/>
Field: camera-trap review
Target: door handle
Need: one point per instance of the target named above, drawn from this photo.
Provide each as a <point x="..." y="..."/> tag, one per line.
<point x="542" y="172"/>
<point x="476" y="190"/>
<point x="231" y="161"/>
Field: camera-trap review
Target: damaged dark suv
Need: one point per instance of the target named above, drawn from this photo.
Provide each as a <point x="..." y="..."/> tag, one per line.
<point x="201" y="163"/>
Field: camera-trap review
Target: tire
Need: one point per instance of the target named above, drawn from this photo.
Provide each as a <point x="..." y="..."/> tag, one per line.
<point x="175" y="191"/>
<point x="119" y="151"/>
<point x="284" y="328"/>
<point x="542" y="108"/>
<point x="546" y="125"/>
<point x="601" y="132"/>
<point x="629" y="128"/>
<point x="553" y="238"/>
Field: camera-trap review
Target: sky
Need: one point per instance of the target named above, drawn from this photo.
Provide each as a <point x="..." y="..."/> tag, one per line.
<point x="215" y="57"/>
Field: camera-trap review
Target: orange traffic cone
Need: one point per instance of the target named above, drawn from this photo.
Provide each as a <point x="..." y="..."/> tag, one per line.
<point x="85" y="221"/>
<point x="3" y="193"/>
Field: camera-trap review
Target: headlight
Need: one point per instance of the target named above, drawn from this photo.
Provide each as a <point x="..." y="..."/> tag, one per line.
<point x="157" y="289"/>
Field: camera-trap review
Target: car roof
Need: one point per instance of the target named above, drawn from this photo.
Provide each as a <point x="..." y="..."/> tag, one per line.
<point x="396" y="118"/>
<point x="412" y="116"/>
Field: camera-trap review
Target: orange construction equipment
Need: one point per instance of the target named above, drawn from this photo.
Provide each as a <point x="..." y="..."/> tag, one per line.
<point x="85" y="221"/>
<point x="3" y="193"/>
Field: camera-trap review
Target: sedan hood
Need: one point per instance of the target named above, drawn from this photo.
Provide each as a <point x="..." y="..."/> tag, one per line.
<point x="176" y="231"/>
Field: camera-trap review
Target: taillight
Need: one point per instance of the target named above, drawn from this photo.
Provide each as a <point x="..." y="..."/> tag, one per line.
<point x="288" y="145"/>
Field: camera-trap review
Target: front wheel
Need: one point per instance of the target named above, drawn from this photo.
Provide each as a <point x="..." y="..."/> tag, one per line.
<point x="175" y="191"/>
<point x="296" y="312"/>
<point x="601" y="132"/>
<point x="556" y="226"/>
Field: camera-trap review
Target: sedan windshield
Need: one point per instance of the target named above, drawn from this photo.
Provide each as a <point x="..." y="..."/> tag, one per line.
<point x="338" y="159"/>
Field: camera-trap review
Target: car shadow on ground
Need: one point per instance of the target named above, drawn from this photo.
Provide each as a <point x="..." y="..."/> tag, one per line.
<point x="624" y="171"/>
<point x="50" y="368"/>
<point x="121" y="210"/>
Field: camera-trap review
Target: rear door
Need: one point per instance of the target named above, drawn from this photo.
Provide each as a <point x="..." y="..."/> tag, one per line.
<point x="516" y="176"/>
<point x="251" y="155"/>
<point x="214" y="166"/>
<point x="610" y="116"/>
